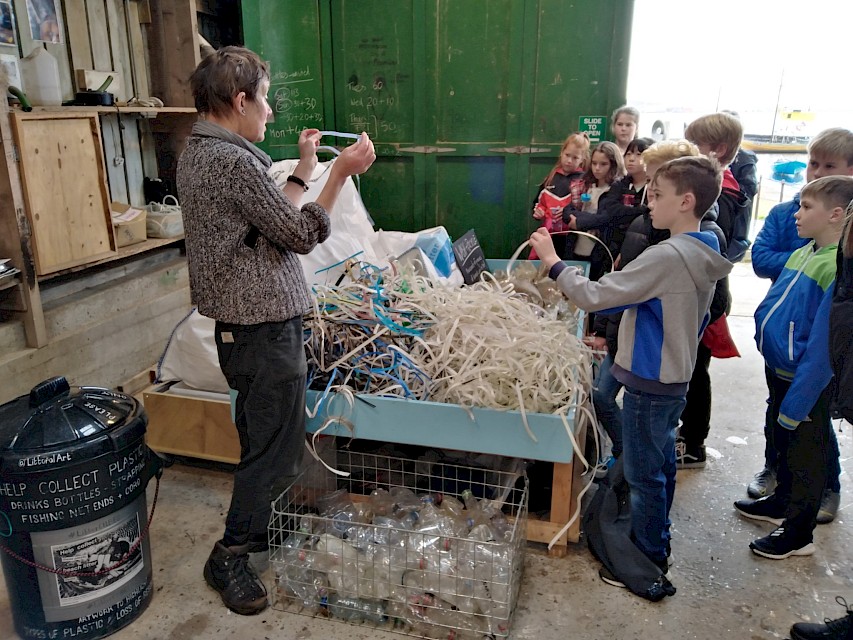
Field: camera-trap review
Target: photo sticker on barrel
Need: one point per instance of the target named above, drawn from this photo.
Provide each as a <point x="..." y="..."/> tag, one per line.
<point x="94" y="554"/>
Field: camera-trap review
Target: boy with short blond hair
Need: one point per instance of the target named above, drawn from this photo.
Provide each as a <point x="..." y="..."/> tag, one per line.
<point x="830" y="153"/>
<point x="719" y="135"/>
<point x="665" y="294"/>
<point x="792" y="333"/>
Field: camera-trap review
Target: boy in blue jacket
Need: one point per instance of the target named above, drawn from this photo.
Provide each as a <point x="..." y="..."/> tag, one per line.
<point x="792" y="333"/>
<point x="665" y="294"/>
<point x="830" y="154"/>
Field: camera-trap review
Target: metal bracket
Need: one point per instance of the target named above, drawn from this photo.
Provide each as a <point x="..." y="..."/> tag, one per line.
<point x="427" y="149"/>
<point x="521" y="150"/>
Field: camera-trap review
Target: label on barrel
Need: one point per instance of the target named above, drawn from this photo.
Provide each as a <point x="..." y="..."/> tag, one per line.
<point x="38" y="501"/>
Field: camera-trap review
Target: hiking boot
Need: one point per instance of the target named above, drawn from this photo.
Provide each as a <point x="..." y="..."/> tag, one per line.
<point x="837" y="629"/>
<point x="687" y="457"/>
<point x="763" y="483"/>
<point x="828" y="506"/>
<point x="228" y="571"/>
<point x="766" y="509"/>
<point x="781" y="544"/>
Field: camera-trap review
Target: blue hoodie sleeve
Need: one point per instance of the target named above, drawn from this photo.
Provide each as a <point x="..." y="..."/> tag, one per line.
<point x="814" y="371"/>
<point x="770" y="251"/>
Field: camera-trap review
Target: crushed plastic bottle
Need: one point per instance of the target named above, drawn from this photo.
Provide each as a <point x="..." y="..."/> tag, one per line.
<point x="356" y="609"/>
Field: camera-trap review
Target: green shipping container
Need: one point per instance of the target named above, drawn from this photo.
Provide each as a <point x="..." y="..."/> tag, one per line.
<point x="467" y="101"/>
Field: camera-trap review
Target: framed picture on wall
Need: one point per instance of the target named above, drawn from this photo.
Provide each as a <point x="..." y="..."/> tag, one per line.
<point x="45" y="19"/>
<point x="7" y="23"/>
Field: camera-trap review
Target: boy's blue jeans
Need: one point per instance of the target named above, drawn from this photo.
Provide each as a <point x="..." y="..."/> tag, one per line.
<point x="648" y="434"/>
<point x="604" y="392"/>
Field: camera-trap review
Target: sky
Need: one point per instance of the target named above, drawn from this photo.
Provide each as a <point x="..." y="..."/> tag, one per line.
<point x="744" y="55"/>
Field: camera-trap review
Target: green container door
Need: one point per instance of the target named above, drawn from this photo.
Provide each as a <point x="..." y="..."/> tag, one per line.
<point x="467" y="101"/>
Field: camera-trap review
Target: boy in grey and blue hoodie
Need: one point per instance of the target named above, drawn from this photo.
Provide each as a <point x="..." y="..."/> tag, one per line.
<point x="665" y="294"/>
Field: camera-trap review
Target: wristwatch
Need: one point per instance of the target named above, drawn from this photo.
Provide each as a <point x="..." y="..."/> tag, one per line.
<point x="299" y="181"/>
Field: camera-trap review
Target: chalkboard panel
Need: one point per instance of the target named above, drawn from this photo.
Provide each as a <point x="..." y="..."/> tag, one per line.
<point x="288" y="34"/>
<point x="469" y="257"/>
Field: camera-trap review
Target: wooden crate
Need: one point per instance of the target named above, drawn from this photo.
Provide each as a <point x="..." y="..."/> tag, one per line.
<point x="193" y="427"/>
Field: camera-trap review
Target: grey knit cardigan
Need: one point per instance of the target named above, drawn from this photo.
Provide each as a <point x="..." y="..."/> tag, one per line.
<point x="224" y="192"/>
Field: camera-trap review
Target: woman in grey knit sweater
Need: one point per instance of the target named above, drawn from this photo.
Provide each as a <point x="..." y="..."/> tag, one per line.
<point x="242" y="237"/>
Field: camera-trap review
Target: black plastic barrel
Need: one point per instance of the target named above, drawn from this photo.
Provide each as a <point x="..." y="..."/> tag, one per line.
<point x="73" y="471"/>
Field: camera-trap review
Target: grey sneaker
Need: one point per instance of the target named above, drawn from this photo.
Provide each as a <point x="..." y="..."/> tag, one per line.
<point x="763" y="483"/>
<point x="828" y="507"/>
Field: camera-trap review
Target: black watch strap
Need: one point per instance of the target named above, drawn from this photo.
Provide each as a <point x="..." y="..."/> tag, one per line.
<point x="298" y="181"/>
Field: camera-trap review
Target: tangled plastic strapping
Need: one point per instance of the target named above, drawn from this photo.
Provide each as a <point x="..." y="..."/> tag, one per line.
<point x="478" y="346"/>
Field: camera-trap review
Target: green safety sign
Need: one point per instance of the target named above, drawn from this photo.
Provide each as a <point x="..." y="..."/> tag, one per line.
<point x="594" y="126"/>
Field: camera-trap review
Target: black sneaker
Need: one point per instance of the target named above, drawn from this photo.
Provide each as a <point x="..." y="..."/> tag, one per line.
<point x="687" y="457"/>
<point x="228" y="571"/>
<point x="766" y="509"/>
<point x="781" y="544"/>
<point x="837" y="629"/>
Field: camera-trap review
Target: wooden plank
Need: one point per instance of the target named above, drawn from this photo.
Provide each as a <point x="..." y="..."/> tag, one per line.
<point x="78" y="34"/>
<point x="62" y="169"/>
<point x="157" y="54"/>
<point x="114" y="158"/>
<point x="99" y="35"/>
<point x="191" y="427"/>
<point x="120" y="43"/>
<point x="119" y="49"/>
<point x="133" y="160"/>
<point x="148" y="148"/>
<point x="138" y="56"/>
<point x="561" y="496"/>
<point x="177" y="54"/>
<point x="15" y="236"/>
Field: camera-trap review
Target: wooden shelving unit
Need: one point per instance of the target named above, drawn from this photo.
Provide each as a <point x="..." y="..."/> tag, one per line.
<point x="116" y="109"/>
<point x="122" y="253"/>
<point x="154" y="46"/>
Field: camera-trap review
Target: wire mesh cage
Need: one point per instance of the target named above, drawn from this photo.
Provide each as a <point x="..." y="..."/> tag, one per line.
<point x="423" y="548"/>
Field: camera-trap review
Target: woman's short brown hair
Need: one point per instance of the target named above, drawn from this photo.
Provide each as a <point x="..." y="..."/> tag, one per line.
<point x="223" y="74"/>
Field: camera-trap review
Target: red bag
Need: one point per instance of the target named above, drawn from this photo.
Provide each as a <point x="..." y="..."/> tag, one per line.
<point x="718" y="339"/>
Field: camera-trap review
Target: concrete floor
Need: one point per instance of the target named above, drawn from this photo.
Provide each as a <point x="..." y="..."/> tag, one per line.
<point x="724" y="591"/>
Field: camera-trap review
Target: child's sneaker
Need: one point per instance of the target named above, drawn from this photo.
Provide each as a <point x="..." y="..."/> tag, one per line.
<point x="828" y="506"/>
<point x="607" y="576"/>
<point x="763" y="483"/>
<point x="689" y="457"/>
<point x="766" y="509"/>
<point x="837" y="629"/>
<point x="781" y="544"/>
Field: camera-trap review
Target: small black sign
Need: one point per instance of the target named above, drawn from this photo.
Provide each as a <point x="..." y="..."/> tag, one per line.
<point x="469" y="257"/>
